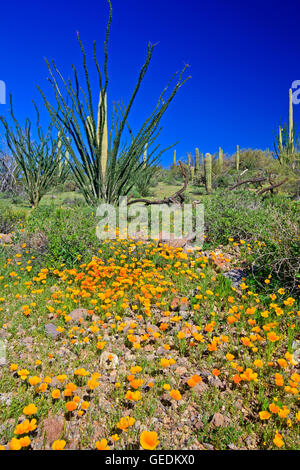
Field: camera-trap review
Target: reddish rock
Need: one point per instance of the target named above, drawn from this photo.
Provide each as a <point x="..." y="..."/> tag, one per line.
<point x="218" y="420"/>
<point x="53" y="428"/>
<point x="79" y="313"/>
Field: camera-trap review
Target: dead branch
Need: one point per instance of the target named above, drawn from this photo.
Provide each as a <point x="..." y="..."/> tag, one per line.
<point x="272" y="187"/>
<point x="177" y="197"/>
<point x="259" y="180"/>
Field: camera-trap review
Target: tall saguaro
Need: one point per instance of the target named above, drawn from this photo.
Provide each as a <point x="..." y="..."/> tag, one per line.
<point x="208" y="171"/>
<point x="291" y="124"/>
<point x="220" y="159"/>
<point x="237" y="157"/>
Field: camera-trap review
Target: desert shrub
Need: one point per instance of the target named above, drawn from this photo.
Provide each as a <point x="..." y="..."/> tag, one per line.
<point x="172" y="176"/>
<point x="70" y="234"/>
<point x="270" y="225"/>
<point x="10" y="219"/>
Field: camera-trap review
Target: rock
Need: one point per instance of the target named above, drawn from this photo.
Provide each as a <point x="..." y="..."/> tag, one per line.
<point x="184" y="305"/>
<point x="235" y="276"/>
<point x="232" y="447"/>
<point x="199" y="424"/>
<point x="28" y="340"/>
<point x="3" y="360"/>
<point x="5" y="238"/>
<point x="200" y="387"/>
<point x="296" y="350"/>
<point x="54" y="289"/>
<point x="5" y="398"/>
<point x="53" y="428"/>
<point x="175" y="303"/>
<point x="108" y="360"/>
<point x="181" y="371"/>
<point x="168" y="239"/>
<point x="79" y="313"/>
<point x="208" y="446"/>
<point x="51" y="330"/>
<point x="218" y="420"/>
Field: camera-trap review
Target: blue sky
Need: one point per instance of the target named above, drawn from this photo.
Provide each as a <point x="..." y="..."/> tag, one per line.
<point x="243" y="57"/>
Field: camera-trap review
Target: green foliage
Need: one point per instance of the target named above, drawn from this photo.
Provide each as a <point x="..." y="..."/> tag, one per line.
<point x="270" y="225"/>
<point x="11" y="218"/>
<point x="69" y="234"/>
<point x="145" y="179"/>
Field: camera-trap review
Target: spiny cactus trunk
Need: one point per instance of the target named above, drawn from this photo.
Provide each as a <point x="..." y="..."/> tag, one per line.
<point x="280" y="145"/>
<point x="197" y="160"/>
<point x="189" y="159"/>
<point x="208" y="172"/>
<point x="220" y="160"/>
<point x="237" y="158"/>
<point x="291" y="124"/>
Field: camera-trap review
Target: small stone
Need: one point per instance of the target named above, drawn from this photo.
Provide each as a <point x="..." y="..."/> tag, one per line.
<point x="54" y="289"/>
<point x="51" y="330"/>
<point x="53" y="428"/>
<point x="3" y="360"/>
<point x="5" y="398"/>
<point x="28" y="340"/>
<point x="5" y="238"/>
<point x="235" y="276"/>
<point x="108" y="360"/>
<point x="181" y="371"/>
<point x="200" y="387"/>
<point x="79" y="313"/>
<point x="217" y="420"/>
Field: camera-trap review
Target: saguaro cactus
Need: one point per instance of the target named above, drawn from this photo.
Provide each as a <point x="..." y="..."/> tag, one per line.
<point x="237" y="162"/>
<point x="174" y="158"/>
<point x="220" y="160"/>
<point x="208" y="172"/>
<point x="291" y="124"/>
<point x="192" y="172"/>
<point x="197" y="160"/>
<point x="189" y="159"/>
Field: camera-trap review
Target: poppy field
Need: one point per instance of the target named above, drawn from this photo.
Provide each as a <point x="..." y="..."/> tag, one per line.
<point x="146" y="346"/>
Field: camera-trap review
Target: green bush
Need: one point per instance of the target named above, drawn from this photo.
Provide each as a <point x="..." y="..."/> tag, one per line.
<point x="270" y="225"/>
<point x="69" y="233"/>
<point x="10" y="219"/>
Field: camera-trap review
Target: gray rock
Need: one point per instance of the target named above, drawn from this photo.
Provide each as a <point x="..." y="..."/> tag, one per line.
<point x="3" y="360"/>
<point x="51" y="330"/>
<point x="5" y="398"/>
<point x="296" y="350"/>
<point x="235" y="276"/>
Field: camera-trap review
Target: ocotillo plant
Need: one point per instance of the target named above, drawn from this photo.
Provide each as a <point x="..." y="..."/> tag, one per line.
<point x="174" y="158"/>
<point x="237" y="160"/>
<point x="63" y="160"/>
<point x="220" y="159"/>
<point x="197" y="160"/>
<point x="105" y="169"/>
<point x="145" y="154"/>
<point x="37" y="159"/>
<point x="208" y="172"/>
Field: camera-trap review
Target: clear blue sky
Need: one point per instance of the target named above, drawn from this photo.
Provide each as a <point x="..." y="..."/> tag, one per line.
<point x="243" y="57"/>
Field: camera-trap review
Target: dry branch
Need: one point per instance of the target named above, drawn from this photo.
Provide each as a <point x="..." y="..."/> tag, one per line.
<point x="177" y="197"/>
